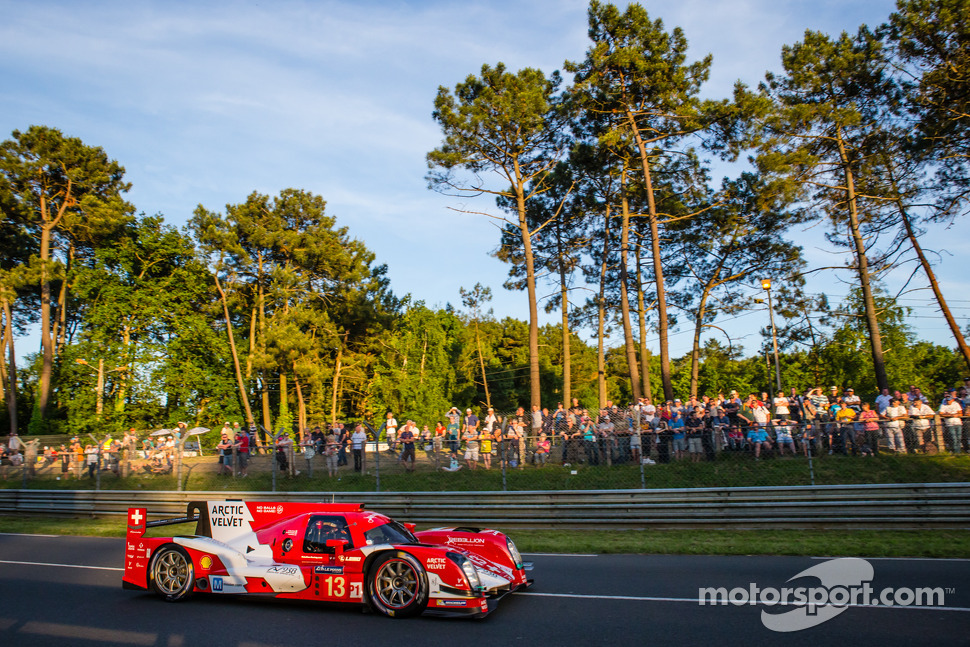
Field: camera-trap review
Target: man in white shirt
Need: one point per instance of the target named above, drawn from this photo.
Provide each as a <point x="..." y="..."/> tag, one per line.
<point x="951" y="412"/>
<point x="357" y="441"/>
<point x="922" y="415"/>
<point x="895" y="415"/>
<point x="883" y="400"/>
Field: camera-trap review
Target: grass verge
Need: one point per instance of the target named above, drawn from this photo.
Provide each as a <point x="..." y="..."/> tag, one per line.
<point x="860" y="543"/>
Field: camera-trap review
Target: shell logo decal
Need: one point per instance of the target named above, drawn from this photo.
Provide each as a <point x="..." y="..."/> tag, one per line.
<point x="205" y="563"/>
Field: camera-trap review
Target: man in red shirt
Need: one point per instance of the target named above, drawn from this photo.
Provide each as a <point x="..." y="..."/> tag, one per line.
<point x="242" y="452"/>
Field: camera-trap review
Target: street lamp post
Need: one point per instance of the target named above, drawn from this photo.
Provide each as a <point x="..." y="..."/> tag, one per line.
<point x="766" y="286"/>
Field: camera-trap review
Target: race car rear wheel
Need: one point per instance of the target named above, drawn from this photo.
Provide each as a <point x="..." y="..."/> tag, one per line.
<point x="397" y="585"/>
<point x="171" y="573"/>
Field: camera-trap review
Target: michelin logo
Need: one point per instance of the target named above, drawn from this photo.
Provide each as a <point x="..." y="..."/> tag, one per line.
<point x="216" y="583"/>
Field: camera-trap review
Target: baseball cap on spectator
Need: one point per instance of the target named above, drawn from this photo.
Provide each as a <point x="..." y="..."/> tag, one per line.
<point x="850" y="390"/>
<point x="833" y="388"/>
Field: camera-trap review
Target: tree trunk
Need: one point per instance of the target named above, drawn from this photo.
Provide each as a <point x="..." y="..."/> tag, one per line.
<point x="601" y="315"/>
<point x="535" y="390"/>
<point x="862" y="264"/>
<point x="695" y="354"/>
<point x="60" y="326"/>
<point x="658" y="273"/>
<point x="46" y="342"/>
<point x="631" y="353"/>
<point x="566" y="350"/>
<point x="243" y="394"/>
<point x="336" y="384"/>
<point x="642" y="322"/>
<point x="481" y="365"/>
<point x="300" y="404"/>
<point x="11" y="392"/>
<point x="285" y="402"/>
<point x="930" y="274"/>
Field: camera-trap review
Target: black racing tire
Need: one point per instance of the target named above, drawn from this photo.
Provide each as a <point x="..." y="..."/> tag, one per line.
<point x="397" y="585"/>
<point x="171" y="574"/>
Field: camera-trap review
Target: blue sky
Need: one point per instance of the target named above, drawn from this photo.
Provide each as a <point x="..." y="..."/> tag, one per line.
<point x="205" y="102"/>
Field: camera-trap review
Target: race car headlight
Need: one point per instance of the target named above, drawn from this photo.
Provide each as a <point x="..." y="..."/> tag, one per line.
<point x="468" y="569"/>
<point x="471" y="574"/>
<point x="514" y="552"/>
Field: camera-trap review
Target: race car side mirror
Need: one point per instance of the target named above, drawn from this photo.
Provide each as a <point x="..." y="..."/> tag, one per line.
<point x="337" y="545"/>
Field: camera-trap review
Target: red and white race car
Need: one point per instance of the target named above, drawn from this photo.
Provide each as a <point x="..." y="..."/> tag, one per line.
<point x="326" y="552"/>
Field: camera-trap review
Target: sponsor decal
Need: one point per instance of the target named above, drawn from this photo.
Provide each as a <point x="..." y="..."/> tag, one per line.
<point x="227" y="515"/>
<point x="290" y="533"/>
<point x="332" y="570"/>
<point x="436" y="563"/>
<point x="279" y="509"/>
<point x="205" y="563"/>
<point x="131" y="547"/>
<point x="344" y="558"/>
<point x="283" y="570"/>
<point x="135" y="518"/>
<point x="491" y="567"/>
<point x="451" y="603"/>
<point x="464" y="540"/>
<point x="216" y="583"/>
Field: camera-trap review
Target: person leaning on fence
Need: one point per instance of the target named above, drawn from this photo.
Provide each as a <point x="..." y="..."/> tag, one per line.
<point x="242" y="446"/>
<point x="357" y="441"/>
<point x="922" y="415"/>
<point x="845" y="419"/>
<point x="282" y="455"/>
<point x="895" y="416"/>
<point x="225" y="452"/>
<point x="759" y="441"/>
<point x="951" y="412"/>
<point x="406" y="437"/>
<point x="331" y="453"/>
<point x="470" y="436"/>
<point x="868" y="437"/>
<point x="489" y="425"/>
<point x="694" y="428"/>
<point x="390" y="432"/>
<point x="678" y="434"/>
<point x="783" y="437"/>
<point x="608" y="438"/>
<point x="542" y="449"/>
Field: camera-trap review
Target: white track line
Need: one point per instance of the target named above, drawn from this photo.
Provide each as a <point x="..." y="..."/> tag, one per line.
<point x="905" y="559"/>
<point x="93" y="568"/>
<point x="708" y="603"/>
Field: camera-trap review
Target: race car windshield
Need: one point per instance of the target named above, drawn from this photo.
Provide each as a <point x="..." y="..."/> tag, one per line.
<point x="389" y="533"/>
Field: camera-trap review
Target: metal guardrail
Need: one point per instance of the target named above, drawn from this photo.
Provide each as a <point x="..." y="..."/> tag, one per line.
<point x="913" y="505"/>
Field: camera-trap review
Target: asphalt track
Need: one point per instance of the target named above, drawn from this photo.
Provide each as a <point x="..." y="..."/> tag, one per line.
<point x="66" y="591"/>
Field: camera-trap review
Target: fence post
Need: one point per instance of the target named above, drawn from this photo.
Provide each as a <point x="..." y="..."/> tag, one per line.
<point x="643" y="477"/>
<point x="504" y="455"/>
<point x="272" y="459"/>
<point x="808" y="450"/>
<point x="377" y="460"/>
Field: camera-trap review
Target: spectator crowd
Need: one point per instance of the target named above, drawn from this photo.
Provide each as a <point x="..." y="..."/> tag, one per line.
<point x="833" y="421"/>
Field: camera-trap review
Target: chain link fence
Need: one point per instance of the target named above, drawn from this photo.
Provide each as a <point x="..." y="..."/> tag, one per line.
<point x="617" y="450"/>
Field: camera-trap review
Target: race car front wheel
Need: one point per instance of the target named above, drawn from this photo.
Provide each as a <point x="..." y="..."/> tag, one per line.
<point x="397" y="585"/>
<point x="171" y="573"/>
